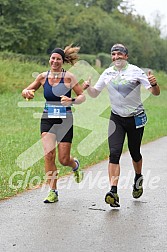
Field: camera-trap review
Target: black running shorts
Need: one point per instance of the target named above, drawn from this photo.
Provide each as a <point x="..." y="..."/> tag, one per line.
<point x="61" y="127"/>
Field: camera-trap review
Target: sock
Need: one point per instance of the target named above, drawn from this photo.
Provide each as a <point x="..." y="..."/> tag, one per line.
<point x="76" y="168"/>
<point x="137" y="176"/>
<point x="114" y="189"/>
<point x="55" y="190"/>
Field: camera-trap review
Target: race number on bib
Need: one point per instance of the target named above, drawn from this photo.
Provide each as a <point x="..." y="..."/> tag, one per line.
<point x="140" y="120"/>
<point x="56" y="111"/>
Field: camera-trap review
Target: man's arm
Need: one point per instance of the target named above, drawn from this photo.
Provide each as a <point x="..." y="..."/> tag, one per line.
<point x="91" y="90"/>
<point x="155" y="89"/>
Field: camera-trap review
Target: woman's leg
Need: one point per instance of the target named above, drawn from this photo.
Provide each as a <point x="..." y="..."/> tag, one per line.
<point x="65" y="159"/>
<point x="49" y="140"/>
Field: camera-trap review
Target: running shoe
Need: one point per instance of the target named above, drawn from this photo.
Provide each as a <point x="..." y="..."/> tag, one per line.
<point x="138" y="188"/>
<point x="52" y="197"/>
<point x="112" y="199"/>
<point x="78" y="174"/>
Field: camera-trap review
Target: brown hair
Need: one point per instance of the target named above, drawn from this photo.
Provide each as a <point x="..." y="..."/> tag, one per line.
<point x="71" y="54"/>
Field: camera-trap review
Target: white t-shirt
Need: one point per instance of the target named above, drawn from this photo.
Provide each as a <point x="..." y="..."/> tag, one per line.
<point x="124" y="89"/>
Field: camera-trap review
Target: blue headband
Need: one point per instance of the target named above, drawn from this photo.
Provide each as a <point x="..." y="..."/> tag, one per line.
<point x="120" y="49"/>
<point x="59" y="51"/>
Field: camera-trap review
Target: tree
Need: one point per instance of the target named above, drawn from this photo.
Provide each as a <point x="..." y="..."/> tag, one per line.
<point x="36" y="27"/>
<point x="26" y="26"/>
<point x="107" y="5"/>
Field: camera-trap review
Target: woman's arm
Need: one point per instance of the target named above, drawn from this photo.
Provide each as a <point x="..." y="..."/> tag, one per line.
<point x="80" y="97"/>
<point x="28" y="93"/>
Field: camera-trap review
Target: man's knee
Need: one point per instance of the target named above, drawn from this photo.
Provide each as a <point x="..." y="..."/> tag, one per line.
<point x="136" y="157"/>
<point x="114" y="156"/>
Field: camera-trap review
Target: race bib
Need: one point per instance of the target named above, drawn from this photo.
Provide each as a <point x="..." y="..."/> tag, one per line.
<point x="140" y="120"/>
<point x="56" y="111"/>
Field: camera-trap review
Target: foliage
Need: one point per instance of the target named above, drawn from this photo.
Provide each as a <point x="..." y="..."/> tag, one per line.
<point x="91" y="59"/>
<point x="26" y="26"/>
<point x="105" y="59"/>
<point x="36" y="27"/>
<point x="106" y="5"/>
<point x="42" y="59"/>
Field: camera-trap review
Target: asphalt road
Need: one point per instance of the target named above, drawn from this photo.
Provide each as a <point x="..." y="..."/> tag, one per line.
<point x="81" y="220"/>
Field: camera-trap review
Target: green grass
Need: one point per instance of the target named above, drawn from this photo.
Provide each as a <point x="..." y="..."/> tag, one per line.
<point x="19" y="130"/>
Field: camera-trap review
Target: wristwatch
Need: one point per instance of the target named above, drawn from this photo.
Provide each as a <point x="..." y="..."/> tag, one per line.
<point x="154" y="85"/>
<point x="73" y="100"/>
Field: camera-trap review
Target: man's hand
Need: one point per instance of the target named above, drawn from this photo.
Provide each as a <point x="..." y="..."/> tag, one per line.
<point x="152" y="78"/>
<point x="86" y="84"/>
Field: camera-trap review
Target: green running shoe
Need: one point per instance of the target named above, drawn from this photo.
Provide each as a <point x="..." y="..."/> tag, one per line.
<point x="52" y="197"/>
<point x="112" y="199"/>
<point x="78" y="174"/>
<point x="138" y="188"/>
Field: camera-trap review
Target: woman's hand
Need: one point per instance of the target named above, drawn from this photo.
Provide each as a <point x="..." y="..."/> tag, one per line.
<point x="66" y="101"/>
<point x="28" y="94"/>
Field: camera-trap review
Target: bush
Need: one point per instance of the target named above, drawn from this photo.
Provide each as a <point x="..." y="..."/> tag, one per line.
<point x="41" y="59"/>
<point x="105" y="59"/>
<point x="91" y="59"/>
